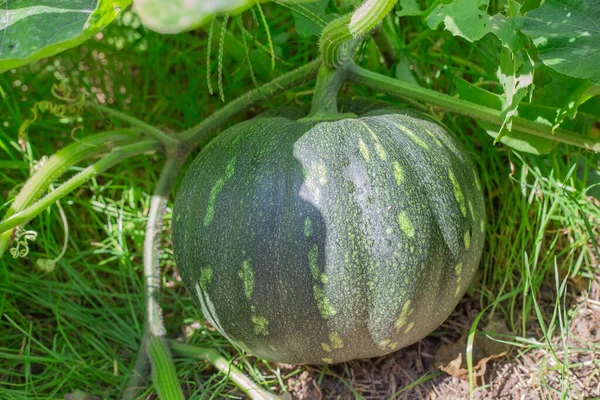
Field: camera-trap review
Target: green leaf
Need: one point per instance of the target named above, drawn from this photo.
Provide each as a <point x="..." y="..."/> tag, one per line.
<point x="175" y="16"/>
<point x="516" y="139"/>
<point x="466" y="19"/>
<point x="409" y="7"/>
<point x="34" y="29"/>
<point x="567" y="36"/>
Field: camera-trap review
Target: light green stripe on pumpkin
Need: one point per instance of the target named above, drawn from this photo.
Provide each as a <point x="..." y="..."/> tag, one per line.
<point x="458" y="194"/>
<point x="308" y="228"/>
<point x="325" y="307"/>
<point x="477" y="180"/>
<point x="313" y="256"/>
<point x="260" y="325"/>
<point x="216" y="189"/>
<point x="405" y="225"/>
<point x="398" y="173"/>
<point x="206" y="276"/>
<point x="472" y="210"/>
<point x="482" y="226"/>
<point x="467" y="240"/>
<point x="364" y="150"/>
<point x="435" y="139"/>
<point x="412" y="136"/>
<point x="247" y="275"/>
<point x="379" y="150"/>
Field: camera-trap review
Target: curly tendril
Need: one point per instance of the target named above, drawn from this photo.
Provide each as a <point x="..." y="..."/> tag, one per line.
<point x="352" y="26"/>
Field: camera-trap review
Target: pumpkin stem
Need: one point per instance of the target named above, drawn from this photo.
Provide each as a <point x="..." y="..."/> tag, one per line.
<point x="324" y="102"/>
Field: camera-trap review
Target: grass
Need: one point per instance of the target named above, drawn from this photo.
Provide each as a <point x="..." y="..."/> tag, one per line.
<point x="78" y="327"/>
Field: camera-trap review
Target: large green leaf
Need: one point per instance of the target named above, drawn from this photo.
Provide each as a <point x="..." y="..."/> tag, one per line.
<point x="567" y="36"/>
<point x="469" y="19"/>
<point x="33" y="29"/>
<point x="175" y="16"/>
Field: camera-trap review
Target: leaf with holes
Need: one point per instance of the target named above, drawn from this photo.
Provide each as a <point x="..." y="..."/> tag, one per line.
<point x="50" y="26"/>
<point x="466" y="19"/>
<point x="516" y="139"/>
<point x="567" y="36"/>
<point x="516" y="76"/>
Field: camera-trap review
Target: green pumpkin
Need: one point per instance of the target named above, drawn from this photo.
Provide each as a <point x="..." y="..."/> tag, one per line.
<point x="310" y="241"/>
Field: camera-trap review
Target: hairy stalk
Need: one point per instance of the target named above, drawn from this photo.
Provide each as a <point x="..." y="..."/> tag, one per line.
<point x="117" y="155"/>
<point x="337" y="33"/>
<point x="287" y="81"/>
<point x="154" y="351"/>
<point x="243" y="382"/>
<point x="164" y="374"/>
<point x="60" y="162"/>
<point x="324" y="102"/>
<point x="162" y="137"/>
<point x="393" y="86"/>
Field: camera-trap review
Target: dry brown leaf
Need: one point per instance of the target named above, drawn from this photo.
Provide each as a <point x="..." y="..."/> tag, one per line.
<point x="449" y="358"/>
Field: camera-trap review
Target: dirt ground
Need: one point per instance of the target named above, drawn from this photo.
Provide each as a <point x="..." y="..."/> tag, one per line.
<point x="514" y="374"/>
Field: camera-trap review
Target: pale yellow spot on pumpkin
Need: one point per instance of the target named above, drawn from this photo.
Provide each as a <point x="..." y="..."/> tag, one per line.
<point x="325" y="307"/>
<point x="260" y="325"/>
<point x="327" y="360"/>
<point x="458" y="268"/>
<point x="313" y="256"/>
<point x="457" y="291"/>
<point x="273" y="348"/>
<point x="467" y="240"/>
<point x="404" y="314"/>
<point x="405" y="225"/>
<point x="393" y="345"/>
<point x="326" y="347"/>
<point x="364" y="150"/>
<point x="384" y="342"/>
<point x="409" y="327"/>
<point x="206" y="276"/>
<point x="458" y="194"/>
<point x="336" y="340"/>
<point x="247" y="276"/>
<point x="398" y="173"/>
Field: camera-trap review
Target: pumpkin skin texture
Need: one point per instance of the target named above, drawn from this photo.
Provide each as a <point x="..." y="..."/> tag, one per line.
<point x="309" y="241"/>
